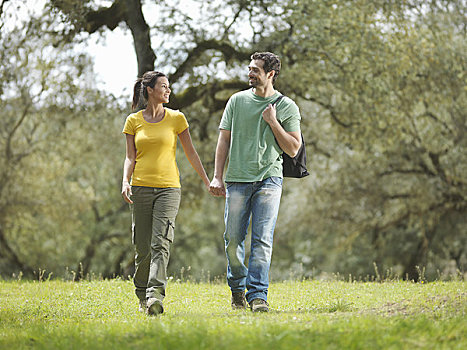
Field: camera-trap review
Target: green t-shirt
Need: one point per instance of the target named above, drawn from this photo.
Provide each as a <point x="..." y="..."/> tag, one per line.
<point x="254" y="154"/>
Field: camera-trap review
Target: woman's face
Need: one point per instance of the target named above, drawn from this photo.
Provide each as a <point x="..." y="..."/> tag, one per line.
<point x="161" y="91"/>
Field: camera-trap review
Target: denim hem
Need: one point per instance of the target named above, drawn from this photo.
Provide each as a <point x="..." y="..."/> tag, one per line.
<point x="256" y="295"/>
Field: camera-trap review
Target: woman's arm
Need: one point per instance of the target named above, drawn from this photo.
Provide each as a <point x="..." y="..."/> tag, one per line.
<point x="192" y="155"/>
<point x="128" y="167"/>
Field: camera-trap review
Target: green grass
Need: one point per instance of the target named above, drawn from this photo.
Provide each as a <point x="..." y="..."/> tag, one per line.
<point x="304" y="315"/>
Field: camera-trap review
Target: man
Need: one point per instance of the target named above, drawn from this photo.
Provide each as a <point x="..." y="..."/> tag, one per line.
<point x="253" y="136"/>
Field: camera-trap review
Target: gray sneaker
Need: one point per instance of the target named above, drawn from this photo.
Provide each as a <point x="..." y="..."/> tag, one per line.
<point x="238" y="300"/>
<point x="142" y="305"/>
<point x="259" y="305"/>
<point x="154" y="307"/>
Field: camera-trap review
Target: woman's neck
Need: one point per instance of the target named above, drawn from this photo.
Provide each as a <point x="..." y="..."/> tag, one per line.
<point x="154" y="112"/>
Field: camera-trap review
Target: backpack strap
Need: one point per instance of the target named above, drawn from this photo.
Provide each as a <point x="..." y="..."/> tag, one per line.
<point x="294" y="167"/>
<point x="278" y="99"/>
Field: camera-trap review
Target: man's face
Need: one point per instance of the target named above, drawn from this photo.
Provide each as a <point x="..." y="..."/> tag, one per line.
<point x="256" y="74"/>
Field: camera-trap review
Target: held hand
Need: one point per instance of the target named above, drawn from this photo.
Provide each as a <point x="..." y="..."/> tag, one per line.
<point x="217" y="188"/>
<point x="126" y="192"/>
<point x="269" y="114"/>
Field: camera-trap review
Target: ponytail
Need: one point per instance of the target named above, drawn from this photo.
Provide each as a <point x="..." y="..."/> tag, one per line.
<point x="137" y="92"/>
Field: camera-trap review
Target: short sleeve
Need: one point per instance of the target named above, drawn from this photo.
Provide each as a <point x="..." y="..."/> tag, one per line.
<point x="181" y="123"/>
<point x="129" y="127"/>
<point x="291" y="120"/>
<point x="226" y="120"/>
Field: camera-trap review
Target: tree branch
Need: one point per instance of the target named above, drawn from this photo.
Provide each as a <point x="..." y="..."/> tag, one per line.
<point x="227" y="50"/>
<point x="100" y="218"/>
<point x="8" y="151"/>
<point x="1" y="7"/>
<point x="235" y="17"/>
<point x="106" y="16"/>
<point x="194" y="93"/>
<point x="424" y="171"/>
<point x="128" y="11"/>
<point x="332" y="112"/>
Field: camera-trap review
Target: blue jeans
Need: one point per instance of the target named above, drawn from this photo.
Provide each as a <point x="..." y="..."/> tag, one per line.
<point x="259" y="200"/>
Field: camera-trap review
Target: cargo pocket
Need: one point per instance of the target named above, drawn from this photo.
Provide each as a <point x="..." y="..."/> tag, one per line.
<point x="169" y="231"/>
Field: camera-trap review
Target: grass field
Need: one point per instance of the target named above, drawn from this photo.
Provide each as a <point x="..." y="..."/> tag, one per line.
<point x="304" y="315"/>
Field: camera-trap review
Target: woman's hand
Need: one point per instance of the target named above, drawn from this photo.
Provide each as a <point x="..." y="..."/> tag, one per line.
<point x="126" y="192"/>
<point x="217" y="188"/>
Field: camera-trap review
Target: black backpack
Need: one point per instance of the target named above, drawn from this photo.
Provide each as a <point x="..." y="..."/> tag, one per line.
<point x="296" y="166"/>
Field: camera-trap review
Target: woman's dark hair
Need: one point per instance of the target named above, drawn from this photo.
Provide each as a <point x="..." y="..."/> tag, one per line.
<point x="148" y="79"/>
<point x="271" y="62"/>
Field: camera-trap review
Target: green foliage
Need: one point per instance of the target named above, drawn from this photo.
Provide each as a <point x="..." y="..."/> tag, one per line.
<point x="382" y="91"/>
<point x="59" y="179"/>
<point x="383" y="96"/>
<point x="307" y="314"/>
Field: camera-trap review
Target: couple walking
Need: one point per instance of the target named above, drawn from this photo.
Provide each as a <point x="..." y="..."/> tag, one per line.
<point x="253" y="134"/>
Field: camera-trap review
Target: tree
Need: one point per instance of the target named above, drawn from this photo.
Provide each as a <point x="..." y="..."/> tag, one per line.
<point x="390" y="81"/>
<point x="54" y="197"/>
<point x="381" y="89"/>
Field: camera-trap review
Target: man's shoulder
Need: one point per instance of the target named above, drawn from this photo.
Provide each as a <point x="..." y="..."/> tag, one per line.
<point x="241" y="94"/>
<point x="287" y="104"/>
<point x="286" y="100"/>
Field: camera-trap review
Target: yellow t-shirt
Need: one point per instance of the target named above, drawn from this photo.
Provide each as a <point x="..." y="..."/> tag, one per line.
<point x="156" y="145"/>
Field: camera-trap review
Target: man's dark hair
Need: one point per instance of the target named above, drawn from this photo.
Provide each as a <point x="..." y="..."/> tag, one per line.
<point x="271" y="62"/>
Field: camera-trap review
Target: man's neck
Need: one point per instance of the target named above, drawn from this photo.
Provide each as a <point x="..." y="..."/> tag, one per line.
<point x="264" y="91"/>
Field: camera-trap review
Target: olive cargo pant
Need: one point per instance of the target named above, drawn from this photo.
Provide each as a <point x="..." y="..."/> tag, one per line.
<point x="153" y="222"/>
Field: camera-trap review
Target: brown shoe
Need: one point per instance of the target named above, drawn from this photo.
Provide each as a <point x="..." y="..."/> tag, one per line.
<point x="154" y="307"/>
<point x="238" y="300"/>
<point x="259" y="305"/>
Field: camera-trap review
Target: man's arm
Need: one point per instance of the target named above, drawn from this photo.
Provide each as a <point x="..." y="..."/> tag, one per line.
<point x="217" y="187"/>
<point x="289" y="142"/>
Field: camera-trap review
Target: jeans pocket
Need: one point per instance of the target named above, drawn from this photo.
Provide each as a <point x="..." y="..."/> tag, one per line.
<point x="136" y="189"/>
<point x="138" y="192"/>
<point x="276" y="180"/>
<point x="170" y="231"/>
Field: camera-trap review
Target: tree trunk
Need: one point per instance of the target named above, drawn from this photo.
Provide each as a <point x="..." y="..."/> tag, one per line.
<point x="141" y="36"/>
<point x="12" y="258"/>
<point x="417" y="262"/>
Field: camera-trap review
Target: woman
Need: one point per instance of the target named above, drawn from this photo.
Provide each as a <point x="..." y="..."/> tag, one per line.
<point x="151" y="141"/>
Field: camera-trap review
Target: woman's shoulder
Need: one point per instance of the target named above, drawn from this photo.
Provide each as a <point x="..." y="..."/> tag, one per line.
<point x="174" y="113"/>
<point x="135" y="115"/>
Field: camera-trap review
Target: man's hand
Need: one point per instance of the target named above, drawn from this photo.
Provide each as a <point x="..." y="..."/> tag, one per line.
<point x="217" y="188"/>
<point x="269" y="114"/>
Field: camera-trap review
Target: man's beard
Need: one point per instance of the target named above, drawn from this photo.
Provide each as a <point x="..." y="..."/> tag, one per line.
<point x="253" y="82"/>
